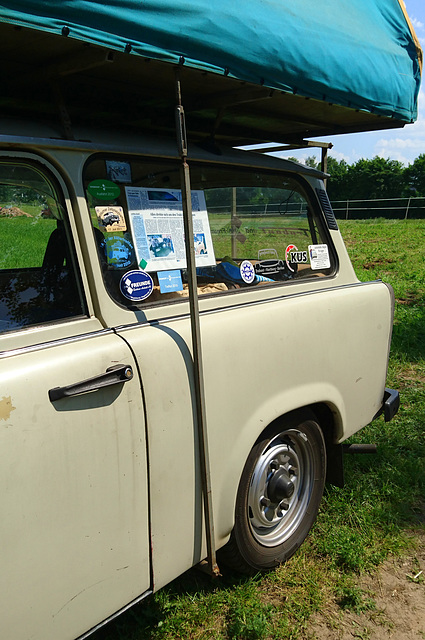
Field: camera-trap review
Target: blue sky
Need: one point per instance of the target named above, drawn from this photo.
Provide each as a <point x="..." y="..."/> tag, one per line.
<point x="398" y="144"/>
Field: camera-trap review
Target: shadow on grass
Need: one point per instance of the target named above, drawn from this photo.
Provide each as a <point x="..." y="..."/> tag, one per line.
<point x="383" y="501"/>
<point x="143" y="621"/>
<point x="408" y="341"/>
<point x="358" y="526"/>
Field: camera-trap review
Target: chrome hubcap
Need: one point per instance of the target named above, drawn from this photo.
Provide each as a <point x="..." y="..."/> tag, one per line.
<point x="280" y="487"/>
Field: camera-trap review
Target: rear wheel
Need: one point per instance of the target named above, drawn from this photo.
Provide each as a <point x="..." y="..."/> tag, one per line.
<point x="279" y="495"/>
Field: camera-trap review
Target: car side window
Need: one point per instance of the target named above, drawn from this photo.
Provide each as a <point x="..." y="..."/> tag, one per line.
<point x="39" y="281"/>
<point x="253" y="228"/>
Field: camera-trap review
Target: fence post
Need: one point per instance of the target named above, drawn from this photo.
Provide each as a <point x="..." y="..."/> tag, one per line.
<point x="346" y="210"/>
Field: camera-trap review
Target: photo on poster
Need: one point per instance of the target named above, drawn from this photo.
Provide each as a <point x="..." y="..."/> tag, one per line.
<point x="160" y="246"/>
<point x="200" y="244"/>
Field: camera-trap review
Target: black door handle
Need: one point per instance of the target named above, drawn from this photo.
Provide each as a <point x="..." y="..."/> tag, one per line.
<point x="113" y="375"/>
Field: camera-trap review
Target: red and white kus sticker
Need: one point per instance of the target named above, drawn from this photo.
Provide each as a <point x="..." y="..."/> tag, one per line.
<point x="294" y="257"/>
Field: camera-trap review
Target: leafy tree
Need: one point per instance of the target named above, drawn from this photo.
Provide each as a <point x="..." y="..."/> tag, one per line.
<point x="376" y="178"/>
<point x="415" y="177"/>
<point x="293" y="159"/>
<point x="311" y="161"/>
<point x="337" y="183"/>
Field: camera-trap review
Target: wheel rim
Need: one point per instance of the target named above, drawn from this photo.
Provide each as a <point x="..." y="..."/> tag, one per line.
<point x="280" y="487"/>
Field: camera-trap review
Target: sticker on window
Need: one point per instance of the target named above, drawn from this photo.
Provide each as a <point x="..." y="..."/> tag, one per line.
<point x="289" y="251"/>
<point x="111" y="218"/>
<point x="170" y="281"/>
<point x="136" y="285"/>
<point x="119" y="252"/>
<point x="103" y="189"/>
<point x="270" y="266"/>
<point x="247" y="271"/>
<point x="118" y="171"/>
<point x="298" y="257"/>
<point x="319" y="256"/>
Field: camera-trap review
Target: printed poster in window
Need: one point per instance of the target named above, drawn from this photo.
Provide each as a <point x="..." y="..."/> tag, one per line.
<point x="156" y="220"/>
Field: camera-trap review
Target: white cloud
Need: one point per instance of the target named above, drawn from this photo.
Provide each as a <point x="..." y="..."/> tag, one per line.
<point x="338" y="155"/>
<point x="408" y="142"/>
<point x="417" y="23"/>
<point x="404" y="144"/>
<point x="419" y="28"/>
<point x="421" y="40"/>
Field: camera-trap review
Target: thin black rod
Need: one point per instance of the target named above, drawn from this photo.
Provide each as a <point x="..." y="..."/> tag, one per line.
<point x="196" y="332"/>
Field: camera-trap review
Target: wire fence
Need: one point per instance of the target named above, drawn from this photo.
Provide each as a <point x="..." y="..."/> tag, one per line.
<point x="263" y="209"/>
<point x="392" y="208"/>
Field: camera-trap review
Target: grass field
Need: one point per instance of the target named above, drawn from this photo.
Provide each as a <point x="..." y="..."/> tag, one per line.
<point x="374" y="516"/>
<point x="377" y="513"/>
<point x="33" y="234"/>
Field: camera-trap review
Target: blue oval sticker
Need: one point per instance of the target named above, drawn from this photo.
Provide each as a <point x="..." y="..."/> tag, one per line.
<point x="136" y="285"/>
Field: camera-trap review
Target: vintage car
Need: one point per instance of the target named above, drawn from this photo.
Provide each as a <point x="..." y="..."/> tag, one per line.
<point x="100" y="467"/>
<point x="165" y="408"/>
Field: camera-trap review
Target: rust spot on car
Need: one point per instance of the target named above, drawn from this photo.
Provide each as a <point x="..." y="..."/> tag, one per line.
<point x="6" y="408"/>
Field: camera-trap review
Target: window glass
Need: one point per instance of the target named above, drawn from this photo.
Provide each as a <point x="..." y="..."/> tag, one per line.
<point x="251" y="228"/>
<point x="38" y="281"/>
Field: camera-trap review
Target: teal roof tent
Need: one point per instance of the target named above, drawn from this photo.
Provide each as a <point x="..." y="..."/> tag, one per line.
<point x="295" y="69"/>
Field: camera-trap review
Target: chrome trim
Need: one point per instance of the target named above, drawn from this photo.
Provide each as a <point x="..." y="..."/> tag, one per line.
<point x="115" y="615"/>
<point x="53" y="343"/>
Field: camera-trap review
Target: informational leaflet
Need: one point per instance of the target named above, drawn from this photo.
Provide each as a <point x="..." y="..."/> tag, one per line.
<point x="156" y="219"/>
<point x="319" y="256"/>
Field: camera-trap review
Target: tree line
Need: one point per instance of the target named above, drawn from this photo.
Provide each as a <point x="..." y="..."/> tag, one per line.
<point x="375" y="178"/>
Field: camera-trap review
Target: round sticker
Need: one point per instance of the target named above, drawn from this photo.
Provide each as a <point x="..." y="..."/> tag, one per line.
<point x="247" y="271"/>
<point x="103" y="189"/>
<point x="289" y="248"/>
<point x="136" y="285"/>
<point x="119" y="251"/>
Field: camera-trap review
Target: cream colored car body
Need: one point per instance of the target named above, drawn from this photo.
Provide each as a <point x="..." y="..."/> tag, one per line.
<point x="100" y="494"/>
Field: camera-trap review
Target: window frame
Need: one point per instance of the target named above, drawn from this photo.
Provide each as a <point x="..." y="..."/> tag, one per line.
<point x="58" y="193"/>
<point x="305" y="188"/>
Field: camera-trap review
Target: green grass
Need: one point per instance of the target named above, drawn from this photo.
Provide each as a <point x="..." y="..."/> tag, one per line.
<point x="259" y="232"/>
<point x="375" y="515"/>
<point x="33" y="234"/>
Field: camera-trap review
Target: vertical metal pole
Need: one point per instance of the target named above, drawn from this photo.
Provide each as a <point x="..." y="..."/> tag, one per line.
<point x="232" y="224"/>
<point x="407" y="209"/>
<point x="324" y="163"/>
<point x="196" y="332"/>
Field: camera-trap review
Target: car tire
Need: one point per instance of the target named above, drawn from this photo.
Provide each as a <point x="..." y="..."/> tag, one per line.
<point x="279" y="495"/>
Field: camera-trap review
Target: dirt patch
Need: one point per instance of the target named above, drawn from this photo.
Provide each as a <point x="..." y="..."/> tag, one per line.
<point x="377" y="263"/>
<point x="410" y="375"/>
<point x="13" y="212"/>
<point x="396" y="594"/>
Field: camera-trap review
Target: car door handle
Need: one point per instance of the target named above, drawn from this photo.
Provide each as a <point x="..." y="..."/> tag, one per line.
<point x="113" y="375"/>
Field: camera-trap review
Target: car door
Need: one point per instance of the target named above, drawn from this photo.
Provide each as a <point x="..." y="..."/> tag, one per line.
<point x="73" y="475"/>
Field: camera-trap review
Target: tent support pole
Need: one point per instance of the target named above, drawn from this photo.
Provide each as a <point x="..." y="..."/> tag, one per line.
<point x="324" y="162"/>
<point x="196" y="334"/>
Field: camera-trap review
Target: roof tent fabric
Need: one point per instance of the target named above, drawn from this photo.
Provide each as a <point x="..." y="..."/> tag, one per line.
<point x="363" y="54"/>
